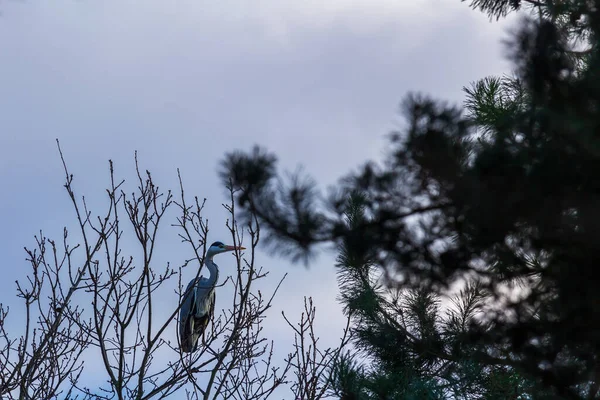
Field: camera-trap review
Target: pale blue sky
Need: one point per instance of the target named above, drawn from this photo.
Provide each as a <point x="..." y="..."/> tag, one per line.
<point x="183" y="82"/>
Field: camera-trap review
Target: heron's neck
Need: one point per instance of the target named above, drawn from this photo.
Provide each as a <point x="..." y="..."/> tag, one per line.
<point x="213" y="269"/>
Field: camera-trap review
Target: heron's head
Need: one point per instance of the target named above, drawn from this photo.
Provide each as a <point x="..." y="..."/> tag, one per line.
<point x="218" y="248"/>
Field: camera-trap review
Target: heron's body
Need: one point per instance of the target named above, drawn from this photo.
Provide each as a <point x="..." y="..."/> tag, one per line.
<point x="198" y="303"/>
<point x="197" y="309"/>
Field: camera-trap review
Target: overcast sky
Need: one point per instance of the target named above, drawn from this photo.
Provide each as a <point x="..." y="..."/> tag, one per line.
<point x="183" y="82"/>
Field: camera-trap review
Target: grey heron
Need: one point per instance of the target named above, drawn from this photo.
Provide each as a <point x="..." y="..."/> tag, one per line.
<point x="199" y="300"/>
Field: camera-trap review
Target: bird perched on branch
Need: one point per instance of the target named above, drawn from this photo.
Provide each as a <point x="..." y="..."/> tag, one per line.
<point x="199" y="300"/>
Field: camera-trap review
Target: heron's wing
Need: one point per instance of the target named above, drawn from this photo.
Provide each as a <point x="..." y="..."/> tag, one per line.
<point x="186" y="335"/>
<point x="186" y="320"/>
<point x="201" y="322"/>
<point x="196" y="310"/>
<point x="203" y="294"/>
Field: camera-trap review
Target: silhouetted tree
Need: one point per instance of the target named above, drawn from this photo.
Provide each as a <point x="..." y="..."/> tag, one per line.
<point x="506" y="193"/>
<point x="413" y="344"/>
<point x="97" y="297"/>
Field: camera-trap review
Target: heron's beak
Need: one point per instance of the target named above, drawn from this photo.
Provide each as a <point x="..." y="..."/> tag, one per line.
<point x="233" y="248"/>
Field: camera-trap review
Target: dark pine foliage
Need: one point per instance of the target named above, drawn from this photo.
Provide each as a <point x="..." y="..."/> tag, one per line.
<point x="504" y="193"/>
<point x="413" y="344"/>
